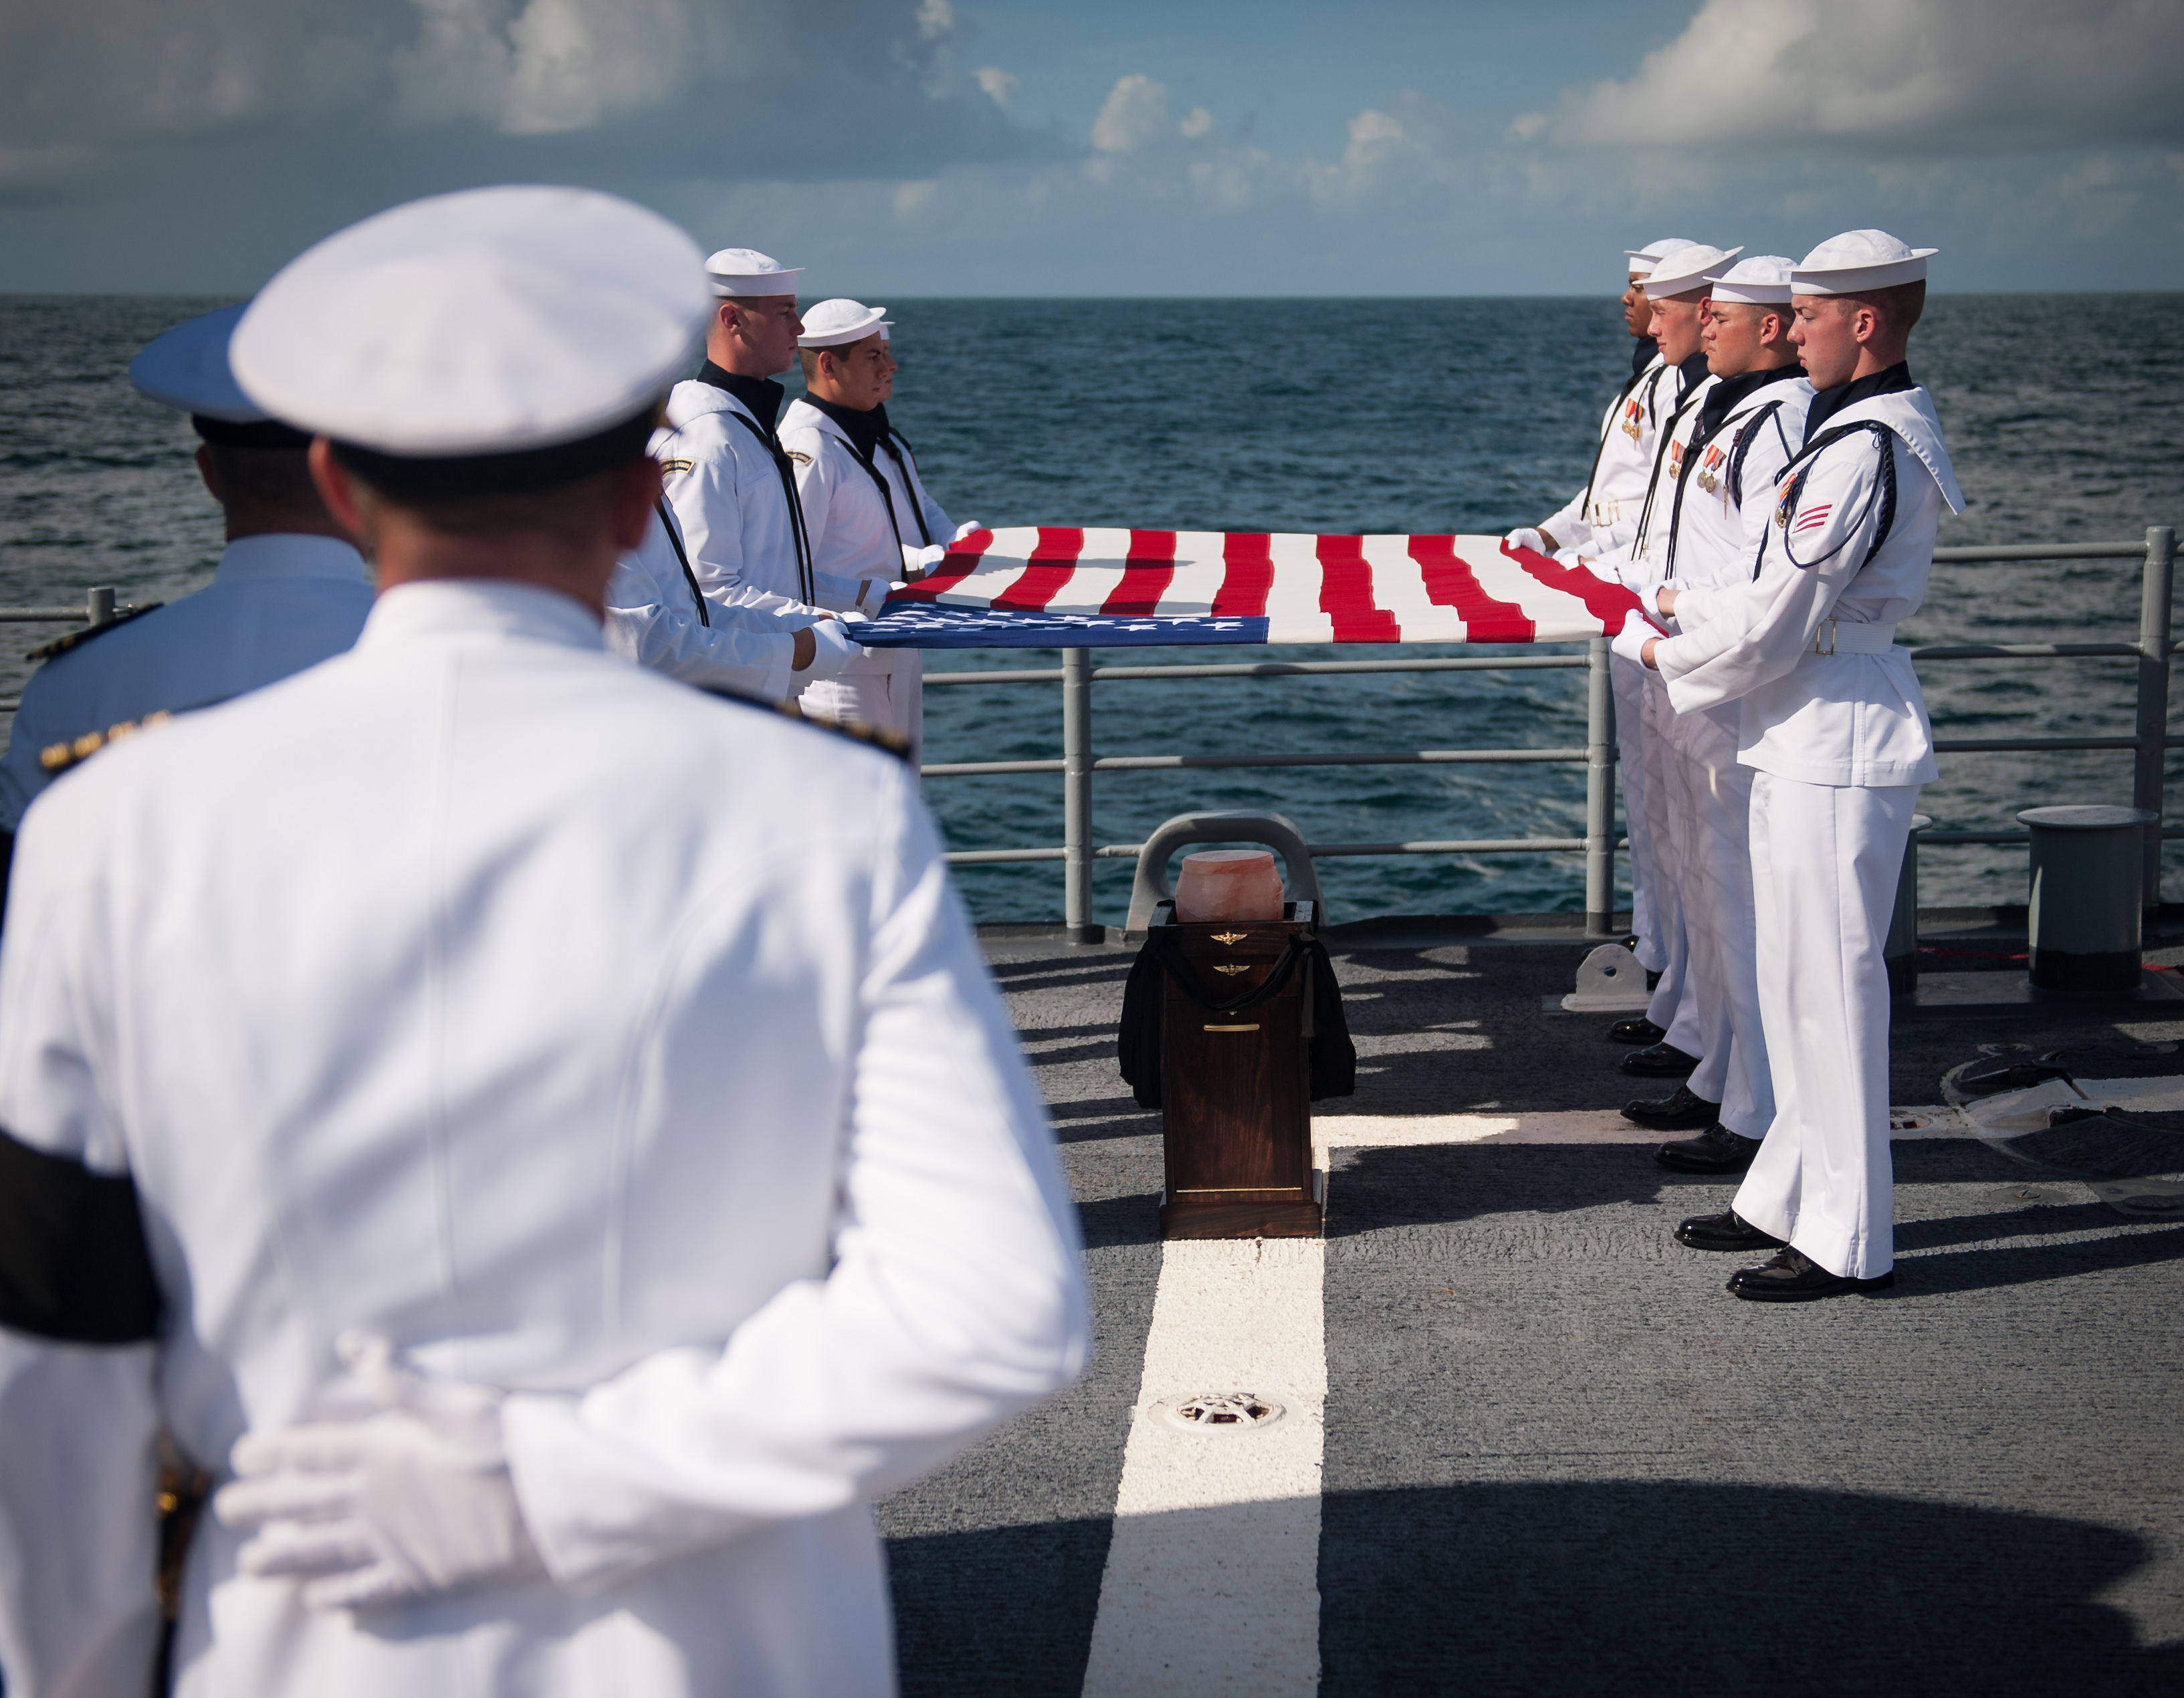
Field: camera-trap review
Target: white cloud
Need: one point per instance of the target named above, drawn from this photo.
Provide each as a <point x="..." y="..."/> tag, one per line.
<point x="1136" y="113"/>
<point x="1001" y="86"/>
<point x="1945" y="75"/>
<point x="1197" y="123"/>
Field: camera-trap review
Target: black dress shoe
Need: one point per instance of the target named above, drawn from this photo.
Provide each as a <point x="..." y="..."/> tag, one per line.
<point x="1635" y="1030"/>
<point x="1715" y="1150"/>
<point x="1794" y="1278"/>
<point x="1728" y="1230"/>
<point x="1685" y="1111"/>
<point x="1658" y="1061"/>
<point x="1652" y="980"/>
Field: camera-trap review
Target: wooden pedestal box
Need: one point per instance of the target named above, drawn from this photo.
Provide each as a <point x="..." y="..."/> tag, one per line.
<point x="1235" y="1088"/>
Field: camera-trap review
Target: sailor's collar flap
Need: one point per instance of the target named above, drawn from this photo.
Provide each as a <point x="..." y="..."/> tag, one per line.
<point x="801" y="415"/>
<point x="691" y="399"/>
<point x="1910" y="413"/>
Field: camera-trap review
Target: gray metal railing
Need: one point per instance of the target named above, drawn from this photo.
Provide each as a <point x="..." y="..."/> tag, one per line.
<point x="2149" y="739"/>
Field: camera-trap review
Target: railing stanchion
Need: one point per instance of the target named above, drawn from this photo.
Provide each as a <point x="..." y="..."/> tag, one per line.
<point x="98" y="605"/>
<point x="2151" y="761"/>
<point x="1076" y="795"/>
<point x="1599" y="794"/>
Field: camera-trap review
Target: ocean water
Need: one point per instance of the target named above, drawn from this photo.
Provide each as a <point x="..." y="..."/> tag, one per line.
<point x="1381" y="415"/>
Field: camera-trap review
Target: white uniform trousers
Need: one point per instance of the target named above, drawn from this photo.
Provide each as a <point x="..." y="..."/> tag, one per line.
<point x="1699" y="1026"/>
<point x="1825" y="862"/>
<point x="888" y="697"/>
<point x="1713" y="852"/>
<point x="1670" y="1009"/>
<point x="1628" y="679"/>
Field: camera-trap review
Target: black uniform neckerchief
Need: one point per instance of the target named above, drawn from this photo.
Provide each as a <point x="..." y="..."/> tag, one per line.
<point x="1694" y="373"/>
<point x="865" y="430"/>
<point x="1829" y="402"/>
<point x="763" y="396"/>
<point x="675" y="541"/>
<point x="1721" y="400"/>
<point x="1641" y="356"/>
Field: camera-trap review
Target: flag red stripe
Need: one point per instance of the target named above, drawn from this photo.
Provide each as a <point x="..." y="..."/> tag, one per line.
<point x="1345" y="594"/>
<point x="1248" y="578"/>
<point x="1052" y="563"/>
<point x="1607" y="603"/>
<point x="1451" y="583"/>
<point x="1146" y="574"/>
<point x="961" y="560"/>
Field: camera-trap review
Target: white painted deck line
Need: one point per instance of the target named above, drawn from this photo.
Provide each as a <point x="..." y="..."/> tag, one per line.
<point x="1212" y="1578"/>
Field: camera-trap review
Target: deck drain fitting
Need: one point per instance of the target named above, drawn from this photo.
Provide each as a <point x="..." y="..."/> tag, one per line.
<point x="1219" y="1411"/>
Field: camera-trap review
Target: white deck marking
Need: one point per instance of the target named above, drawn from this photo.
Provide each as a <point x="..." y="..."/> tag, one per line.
<point x="1576" y="1126"/>
<point x="1212" y="1578"/>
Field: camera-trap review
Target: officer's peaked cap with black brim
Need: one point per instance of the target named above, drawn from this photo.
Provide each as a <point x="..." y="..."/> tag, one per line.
<point x="186" y="368"/>
<point x="496" y="339"/>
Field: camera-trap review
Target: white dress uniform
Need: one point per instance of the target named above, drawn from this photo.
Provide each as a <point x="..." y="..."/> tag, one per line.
<point x="861" y="511"/>
<point x="1744" y="432"/>
<point x="619" y="1053"/>
<point x="658" y="617"/>
<point x="1603" y="518"/>
<point x="1833" y="725"/>
<point x="276" y="603"/>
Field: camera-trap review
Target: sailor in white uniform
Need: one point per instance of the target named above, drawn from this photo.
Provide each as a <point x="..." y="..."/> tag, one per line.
<point x="289" y="589"/>
<point x="657" y="615"/>
<point x="1597" y="519"/>
<point x="1748" y="419"/>
<point x="1678" y="289"/>
<point x="1835" y="728"/>
<point x="866" y="510"/>
<point x="730" y="481"/>
<point x="546" y="1133"/>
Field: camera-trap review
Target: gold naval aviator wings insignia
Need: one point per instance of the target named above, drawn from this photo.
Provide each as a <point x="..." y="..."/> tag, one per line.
<point x="1230" y="936"/>
<point x="1239" y="968"/>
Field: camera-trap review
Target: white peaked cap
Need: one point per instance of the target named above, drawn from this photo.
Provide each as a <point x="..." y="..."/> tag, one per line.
<point x="1643" y="259"/>
<point x="746" y="271"/>
<point x="1858" y="260"/>
<point x="490" y="322"/>
<point x="1763" y="280"/>
<point x="187" y="369"/>
<point x="1684" y="272"/>
<point x="831" y="323"/>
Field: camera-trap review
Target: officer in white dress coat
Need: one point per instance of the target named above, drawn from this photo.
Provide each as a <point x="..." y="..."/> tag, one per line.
<point x="289" y="589"/>
<point x="1678" y="289"/>
<point x="1748" y="419"/>
<point x="547" y="1134"/>
<point x="1833" y="723"/>
<point x="866" y="511"/>
<point x="1599" y="519"/>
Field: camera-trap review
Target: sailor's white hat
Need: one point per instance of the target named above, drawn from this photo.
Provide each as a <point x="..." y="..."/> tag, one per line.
<point x="1683" y="271"/>
<point x="186" y="368"/>
<point x="735" y="272"/>
<point x="1643" y="259"/>
<point x="1763" y="280"/>
<point x="1858" y="260"/>
<point x="496" y="338"/>
<point x="832" y="323"/>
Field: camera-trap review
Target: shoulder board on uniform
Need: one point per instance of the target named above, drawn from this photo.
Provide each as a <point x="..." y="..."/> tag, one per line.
<point x="56" y="757"/>
<point x="77" y="639"/>
<point x="893" y="742"/>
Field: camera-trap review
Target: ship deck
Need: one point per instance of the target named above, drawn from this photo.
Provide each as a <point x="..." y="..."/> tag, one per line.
<point x="1555" y="1455"/>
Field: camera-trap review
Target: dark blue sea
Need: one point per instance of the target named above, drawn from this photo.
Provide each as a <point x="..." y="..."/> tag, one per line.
<point x="1380" y="416"/>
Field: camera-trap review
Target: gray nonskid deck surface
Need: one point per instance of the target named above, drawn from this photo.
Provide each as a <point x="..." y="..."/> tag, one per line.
<point x="1558" y="1456"/>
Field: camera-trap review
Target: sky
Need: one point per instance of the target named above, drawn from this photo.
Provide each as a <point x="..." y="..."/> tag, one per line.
<point x="1197" y="147"/>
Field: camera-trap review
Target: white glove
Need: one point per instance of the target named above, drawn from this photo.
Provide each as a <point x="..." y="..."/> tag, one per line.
<point x="917" y="562"/>
<point x="1631" y="642"/>
<point x="1524" y="537"/>
<point x="405" y="1500"/>
<point x="968" y="528"/>
<point x="831" y="650"/>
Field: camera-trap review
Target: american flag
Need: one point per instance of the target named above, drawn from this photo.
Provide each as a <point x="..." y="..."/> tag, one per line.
<point x="1053" y="587"/>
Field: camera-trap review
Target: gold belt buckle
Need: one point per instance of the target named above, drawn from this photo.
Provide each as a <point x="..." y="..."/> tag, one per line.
<point x="1831" y="649"/>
